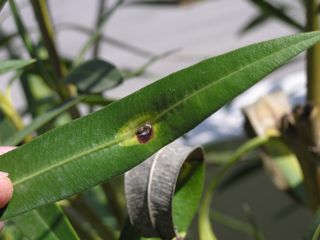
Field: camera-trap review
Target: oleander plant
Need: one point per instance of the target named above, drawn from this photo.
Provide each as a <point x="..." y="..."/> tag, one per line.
<point x="121" y="171"/>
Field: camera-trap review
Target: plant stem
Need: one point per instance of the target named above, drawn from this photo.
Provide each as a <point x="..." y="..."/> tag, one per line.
<point x="40" y="9"/>
<point x="12" y="114"/>
<point x="257" y="233"/>
<point x="41" y="13"/>
<point x="205" y="231"/>
<point x="231" y="222"/>
<point x="104" y="18"/>
<point x="124" y="46"/>
<point x="313" y="55"/>
<point x="313" y="98"/>
<point x="101" y="9"/>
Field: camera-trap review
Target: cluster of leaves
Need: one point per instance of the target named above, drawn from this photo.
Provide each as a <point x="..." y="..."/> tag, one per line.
<point x="88" y="153"/>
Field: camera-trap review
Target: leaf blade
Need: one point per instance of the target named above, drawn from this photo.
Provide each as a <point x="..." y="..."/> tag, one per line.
<point x="10" y="65"/>
<point x="97" y="147"/>
<point x="95" y="76"/>
<point x="41" y="120"/>
<point x="47" y="222"/>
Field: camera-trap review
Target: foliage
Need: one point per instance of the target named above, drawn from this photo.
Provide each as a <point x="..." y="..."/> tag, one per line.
<point x="62" y="153"/>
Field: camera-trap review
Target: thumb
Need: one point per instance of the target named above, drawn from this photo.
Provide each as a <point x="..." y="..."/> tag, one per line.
<point x="6" y="189"/>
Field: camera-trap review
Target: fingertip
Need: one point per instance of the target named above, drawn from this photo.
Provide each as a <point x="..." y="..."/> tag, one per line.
<point x="6" y="191"/>
<point x="5" y="149"/>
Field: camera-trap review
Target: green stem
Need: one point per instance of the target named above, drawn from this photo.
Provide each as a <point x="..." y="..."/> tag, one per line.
<point x="257" y="233"/>
<point x="94" y="37"/>
<point x="10" y="112"/>
<point x="141" y="70"/>
<point x="231" y="222"/>
<point x="101" y="9"/>
<point x="124" y="46"/>
<point x="41" y="13"/>
<point x="205" y="230"/>
<point x="313" y="55"/>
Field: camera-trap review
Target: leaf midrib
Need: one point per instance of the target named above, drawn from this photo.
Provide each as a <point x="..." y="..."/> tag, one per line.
<point x="165" y="111"/>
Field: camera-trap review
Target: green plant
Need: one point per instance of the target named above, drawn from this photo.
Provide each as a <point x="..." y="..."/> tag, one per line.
<point x="89" y="152"/>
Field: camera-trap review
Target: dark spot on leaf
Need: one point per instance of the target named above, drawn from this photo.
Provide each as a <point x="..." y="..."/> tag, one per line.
<point x="144" y="133"/>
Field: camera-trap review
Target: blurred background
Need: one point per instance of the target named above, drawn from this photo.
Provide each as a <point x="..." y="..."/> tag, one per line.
<point x="188" y="32"/>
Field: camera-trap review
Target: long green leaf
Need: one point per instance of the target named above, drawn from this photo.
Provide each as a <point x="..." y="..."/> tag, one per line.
<point x="10" y="65"/>
<point x="95" y="76"/>
<point x="47" y="222"/>
<point x="255" y="22"/>
<point x="41" y="120"/>
<point x="120" y="44"/>
<point x="276" y="12"/>
<point x="95" y="148"/>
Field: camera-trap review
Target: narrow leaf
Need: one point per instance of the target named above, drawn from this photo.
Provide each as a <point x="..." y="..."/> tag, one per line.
<point x="47" y="222"/>
<point x="42" y="120"/>
<point x="120" y="44"/>
<point x="255" y="22"/>
<point x="141" y="70"/>
<point x="97" y="99"/>
<point x="95" y="76"/>
<point x="109" y="142"/>
<point x="279" y="13"/>
<point x="10" y="65"/>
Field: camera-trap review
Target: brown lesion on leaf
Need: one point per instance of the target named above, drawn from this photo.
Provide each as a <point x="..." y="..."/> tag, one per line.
<point x="144" y="133"/>
<point x="140" y="129"/>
